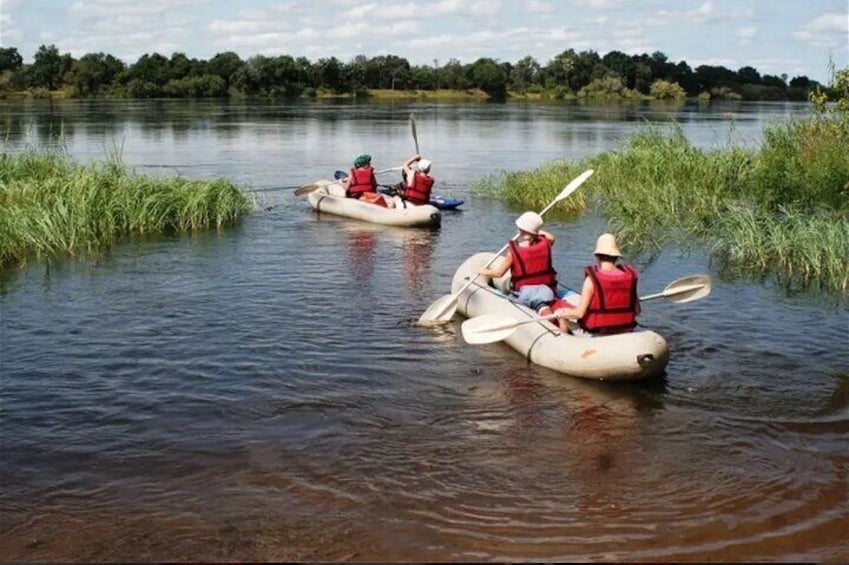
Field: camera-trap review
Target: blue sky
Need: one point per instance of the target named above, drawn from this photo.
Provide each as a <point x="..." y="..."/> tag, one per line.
<point x="796" y="37"/>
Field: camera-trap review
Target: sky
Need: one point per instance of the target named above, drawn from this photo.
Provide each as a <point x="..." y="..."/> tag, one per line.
<point x="792" y="37"/>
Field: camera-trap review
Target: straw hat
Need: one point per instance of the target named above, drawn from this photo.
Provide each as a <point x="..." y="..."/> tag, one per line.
<point x="606" y="245"/>
<point x="530" y="222"/>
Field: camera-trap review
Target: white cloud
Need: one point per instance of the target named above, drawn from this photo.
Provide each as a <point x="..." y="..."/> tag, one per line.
<point x="705" y="13"/>
<point x="746" y="32"/>
<point x="540" y="7"/>
<point x="360" y="12"/>
<point x="601" y="4"/>
<point x="828" y="30"/>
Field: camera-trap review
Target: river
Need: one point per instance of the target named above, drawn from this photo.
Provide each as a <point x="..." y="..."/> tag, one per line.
<point x="262" y="393"/>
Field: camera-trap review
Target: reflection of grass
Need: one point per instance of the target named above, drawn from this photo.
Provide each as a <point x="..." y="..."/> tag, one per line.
<point x="783" y="208"/>
<point x="50" y="205"/>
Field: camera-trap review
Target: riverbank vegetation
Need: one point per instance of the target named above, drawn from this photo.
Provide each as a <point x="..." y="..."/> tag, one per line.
<point x="570" y="75"/>
<point x="782" y="208"/>
<point x="50" y="205"/>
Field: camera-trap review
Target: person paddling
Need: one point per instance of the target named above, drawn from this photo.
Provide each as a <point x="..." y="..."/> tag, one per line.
<point x="609" y="302"/>
<point x="529" y="259"/>
<point x="417" y="184"/>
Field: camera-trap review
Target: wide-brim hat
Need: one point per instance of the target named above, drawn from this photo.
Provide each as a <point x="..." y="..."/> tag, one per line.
<point x="606" y="245"/>
<point x="530" y="222"/>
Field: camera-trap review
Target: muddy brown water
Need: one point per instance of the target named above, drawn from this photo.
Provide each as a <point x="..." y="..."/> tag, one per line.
<point x="263" y="393"/>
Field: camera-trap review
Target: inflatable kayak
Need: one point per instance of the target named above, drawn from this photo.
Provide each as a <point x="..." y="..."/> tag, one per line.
<point x="330" y="198"/>
<point x="445" y="202"/>
<point x="438" y="201"/>
<point x="623" y="357"/>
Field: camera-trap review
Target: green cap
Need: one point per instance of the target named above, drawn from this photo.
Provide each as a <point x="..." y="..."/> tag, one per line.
<point x="362" y="160"/>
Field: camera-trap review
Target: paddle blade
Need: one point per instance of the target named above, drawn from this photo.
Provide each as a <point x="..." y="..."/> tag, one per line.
<point x="413" y="128"/>
<point x="440" y="312"/>
<point x="569" y="189"/>
<point x="487" y="328"/>
<point x="687" y="289"/>
<point x="306" y="189"/>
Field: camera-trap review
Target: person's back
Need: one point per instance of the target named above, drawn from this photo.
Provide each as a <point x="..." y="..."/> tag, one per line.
<point x="609" y="303"/>
<point x="361" y="179"/>
<point x="612" y="307"/>
<point x="529" y="260"/>
<point x="420" y="184"/>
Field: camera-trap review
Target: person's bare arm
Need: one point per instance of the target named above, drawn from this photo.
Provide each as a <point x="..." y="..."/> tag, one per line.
<point x="408" y="168"/>
<point x="575" y="314"/>
<point x="546" y="235"/>
<point x="499" y="268"/>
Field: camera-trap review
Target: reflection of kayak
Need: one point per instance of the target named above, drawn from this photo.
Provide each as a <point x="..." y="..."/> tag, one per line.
<point x="623" y="357"/>
<point x="330" y="197"/>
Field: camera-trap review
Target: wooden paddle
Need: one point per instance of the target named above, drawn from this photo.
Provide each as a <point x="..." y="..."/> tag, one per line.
<point x="490" y="328"/>
<point x="442" y="310"/>
<point x="415" y="137"/>
<point x="307" y="188"/>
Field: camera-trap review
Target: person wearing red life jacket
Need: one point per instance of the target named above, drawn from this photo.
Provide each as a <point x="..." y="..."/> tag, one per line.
<point x="529" y="259"/>
<point x="361" y="178"/>
<point x="361" y="183"/>
<point x="609" y="302"/>
<point x="417" y="184"/>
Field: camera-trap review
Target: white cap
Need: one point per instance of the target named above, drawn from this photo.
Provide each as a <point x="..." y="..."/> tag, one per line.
<point x="530" y="222"/>
<point x="424" y="165"/>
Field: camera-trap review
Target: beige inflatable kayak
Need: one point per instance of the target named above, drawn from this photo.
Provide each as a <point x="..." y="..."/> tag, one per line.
<point x="624" y="357"/>
<point x="330" y="198"/>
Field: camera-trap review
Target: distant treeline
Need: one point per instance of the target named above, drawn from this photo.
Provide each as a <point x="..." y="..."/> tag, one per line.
<point x="584" y="74"/>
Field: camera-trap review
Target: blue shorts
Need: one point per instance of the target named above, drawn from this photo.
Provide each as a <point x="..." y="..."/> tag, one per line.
<point x="535" y="296"/>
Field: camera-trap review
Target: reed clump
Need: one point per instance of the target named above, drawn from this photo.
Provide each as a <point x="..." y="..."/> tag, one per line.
<point x="51" y="205"/>
<point x="782" y="208"/>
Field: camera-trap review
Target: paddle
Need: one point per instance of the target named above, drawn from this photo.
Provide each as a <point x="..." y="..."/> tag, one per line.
<point x="415" y="137"/>
<point x="307" y="188"/>
<point x="442" y="310"/>
<point x="490" y="328"/>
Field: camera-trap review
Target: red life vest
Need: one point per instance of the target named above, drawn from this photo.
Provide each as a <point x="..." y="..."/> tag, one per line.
<point x="362" y="180"/>
<point x="419" y="193"/>
<point x="532" y="264"/>
<point x="613" y="306"/>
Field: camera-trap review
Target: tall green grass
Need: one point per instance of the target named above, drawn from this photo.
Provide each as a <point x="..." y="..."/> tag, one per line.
<point x="50" y="205"/>
<point x="782" y="208"/>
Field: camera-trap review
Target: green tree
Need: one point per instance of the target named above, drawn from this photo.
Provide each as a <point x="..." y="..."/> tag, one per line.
<point x="330" y="74"/>
<point x="47" y="68"/>
<point x="524" y="74"/>
<point x="664" y="90"/>
<point x="152" y="69"/>
<point x="489" y="76"/>
<point x="10" y="59"/>
<point x="225" y="66"/>
<point x="94" y="73"/>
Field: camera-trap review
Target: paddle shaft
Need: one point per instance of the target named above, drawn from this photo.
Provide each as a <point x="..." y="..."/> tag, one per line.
<point x="664" y="294"/>
<point x="413" y="128"/>
<point x="503" y="249"/>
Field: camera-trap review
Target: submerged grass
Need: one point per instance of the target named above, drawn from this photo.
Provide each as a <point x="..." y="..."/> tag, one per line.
<point x="50" y="205"/>
<point x="782" y="208"/>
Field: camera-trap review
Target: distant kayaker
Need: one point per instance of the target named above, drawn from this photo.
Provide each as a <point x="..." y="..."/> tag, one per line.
<point x="529" y="259"/>
<point x="417" y="183"/>
<point x="609" y="303"/>
<point x="361" y="183"/>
